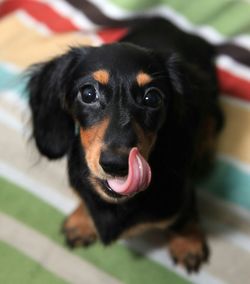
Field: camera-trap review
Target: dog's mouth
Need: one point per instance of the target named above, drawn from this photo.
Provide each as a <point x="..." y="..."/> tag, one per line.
<point x="137" y="180"/>
<point x="109" y="191"/>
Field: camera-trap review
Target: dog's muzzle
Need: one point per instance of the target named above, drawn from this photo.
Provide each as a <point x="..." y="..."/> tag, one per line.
<point x="138" y="175"/>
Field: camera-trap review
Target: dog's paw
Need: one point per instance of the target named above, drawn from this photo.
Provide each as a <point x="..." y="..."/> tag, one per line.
<point x="189" y="249"/>
<point x="79" y="230"/>
<point x="78" y="235"/>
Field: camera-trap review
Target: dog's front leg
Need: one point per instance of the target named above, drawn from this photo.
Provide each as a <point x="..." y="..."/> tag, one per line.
<point x="188" y="246"/>
<point x="78" y="228"/>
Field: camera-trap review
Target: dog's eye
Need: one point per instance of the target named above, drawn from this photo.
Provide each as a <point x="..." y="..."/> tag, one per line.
<point x="152" y="98"/>
<point x="88" y="94"/>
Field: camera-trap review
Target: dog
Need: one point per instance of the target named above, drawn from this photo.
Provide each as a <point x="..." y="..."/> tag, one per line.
<point x="137" y="120"/>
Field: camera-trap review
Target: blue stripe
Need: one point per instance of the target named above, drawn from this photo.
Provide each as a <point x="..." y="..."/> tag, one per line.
<point x="225" y="181"/>
<point x="12" y="81"/>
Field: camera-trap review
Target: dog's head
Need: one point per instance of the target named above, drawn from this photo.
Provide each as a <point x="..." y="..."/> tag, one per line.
<point x="118" y="96"/>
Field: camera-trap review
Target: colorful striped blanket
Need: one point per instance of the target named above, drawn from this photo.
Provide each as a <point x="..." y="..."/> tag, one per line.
<point x="34" y="194"/>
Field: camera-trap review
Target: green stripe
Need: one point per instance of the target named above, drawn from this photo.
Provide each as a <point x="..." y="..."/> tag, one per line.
<point x="144" y="4"/>
<point x="228" y="17"/>
<point x="234" y="20"/>
<point x="135" y="5"/>
<point x="115" y="260"/>
<point x="203" y="12"/>
<point x="16" y="268"/>
<point x="229" y="183"/>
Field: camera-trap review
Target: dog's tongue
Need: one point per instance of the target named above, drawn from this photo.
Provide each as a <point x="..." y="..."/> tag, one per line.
<point x="139" y="175"/>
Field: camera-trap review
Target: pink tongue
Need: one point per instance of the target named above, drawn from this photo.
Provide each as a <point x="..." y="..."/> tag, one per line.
<point x="139" y="175"/>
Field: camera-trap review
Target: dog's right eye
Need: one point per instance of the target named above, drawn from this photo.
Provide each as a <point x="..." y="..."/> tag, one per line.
<point x="153" y="98"/>
<point x="88" y="94"/>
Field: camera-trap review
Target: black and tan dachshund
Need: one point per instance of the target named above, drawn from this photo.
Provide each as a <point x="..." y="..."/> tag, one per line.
<point x="137" y="121"/>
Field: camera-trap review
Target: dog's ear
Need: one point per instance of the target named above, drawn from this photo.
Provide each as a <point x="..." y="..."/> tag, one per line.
<point x="190" y="85"/>
<point x="177" y="73"/>
<point x="53" y="127"/>
<point x="175" y="70"/>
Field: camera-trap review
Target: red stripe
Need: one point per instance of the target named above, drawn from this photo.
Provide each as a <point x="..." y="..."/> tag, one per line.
<point x="53" y="20"/>
<point x="41" y="12"/>
<point x="229" y="83"/>
<point x="112" y="35"/>
<point x="233" y="85"/>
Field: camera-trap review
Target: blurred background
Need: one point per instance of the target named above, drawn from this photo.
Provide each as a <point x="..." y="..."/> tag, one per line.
<point x="34" y="194"/>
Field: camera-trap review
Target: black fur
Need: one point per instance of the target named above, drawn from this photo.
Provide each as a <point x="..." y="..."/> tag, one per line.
<point x="184" y="72"/>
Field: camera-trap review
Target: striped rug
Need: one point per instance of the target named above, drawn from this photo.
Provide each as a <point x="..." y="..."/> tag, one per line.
<point x="34" y="194"/>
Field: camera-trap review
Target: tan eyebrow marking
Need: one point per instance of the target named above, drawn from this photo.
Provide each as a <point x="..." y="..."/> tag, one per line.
<point x="143" y="78"/>
<point x="102" y="76"/>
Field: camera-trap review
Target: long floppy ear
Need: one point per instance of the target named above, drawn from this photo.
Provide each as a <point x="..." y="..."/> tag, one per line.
<point x="179" y="84"/>
<point x="194" y="87"/>
<point x="53" y="127"/>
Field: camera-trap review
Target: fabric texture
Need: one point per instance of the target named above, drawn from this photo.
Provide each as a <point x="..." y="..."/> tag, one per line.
<point x="34" y="194"/>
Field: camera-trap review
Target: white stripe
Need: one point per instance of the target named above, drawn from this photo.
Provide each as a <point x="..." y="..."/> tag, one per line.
<point x="66" y="206"/>
<point x="14" y="98"/>
<point x="208" y="32"/>
<point x="238" y="239"/>
<point x="229" y="64"/>
<point x="242" y="40"/>
<point x="114" y="12"/>
<point x="162" y="256"/>
<point x="50" y="255"/>
<point x="243" y="167"/>
<point x="10" y="67"/>
<point x="78" y="18"/>
<point x="72" y="14"/>
<point x="31" y="22"/>
<point x="9" y="121"/>
<point x="223" y="207"/>
<point x="111" y="10"/>
<point x="228" y="233"/>
<point x="235" y="102"/>
<point x="49" y="195"/>
<point x="20" y="105"/>
<point x="224" y="62"/>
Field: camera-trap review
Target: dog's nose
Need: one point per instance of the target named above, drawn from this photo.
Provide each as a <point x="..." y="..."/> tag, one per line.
<point x="113" y="163"/>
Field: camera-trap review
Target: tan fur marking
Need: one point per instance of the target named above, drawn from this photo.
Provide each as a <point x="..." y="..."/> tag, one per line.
<point x="143" y="79"/>
<point x="79" y="227"/>
<point x="141" y="228"/>
<point x="189" y="241"/>
<point x="92" y="142"/>
<point x="102" y="76"/>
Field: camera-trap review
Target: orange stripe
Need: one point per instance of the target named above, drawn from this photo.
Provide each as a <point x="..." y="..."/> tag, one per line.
<point x="235" y="137"/>
<point x="54" y="20"/>
<point x="34" y="45"/>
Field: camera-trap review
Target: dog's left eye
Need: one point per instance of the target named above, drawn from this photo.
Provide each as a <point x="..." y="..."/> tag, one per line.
<point x="88" y="94"/>
<point x="152" y="98"/>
